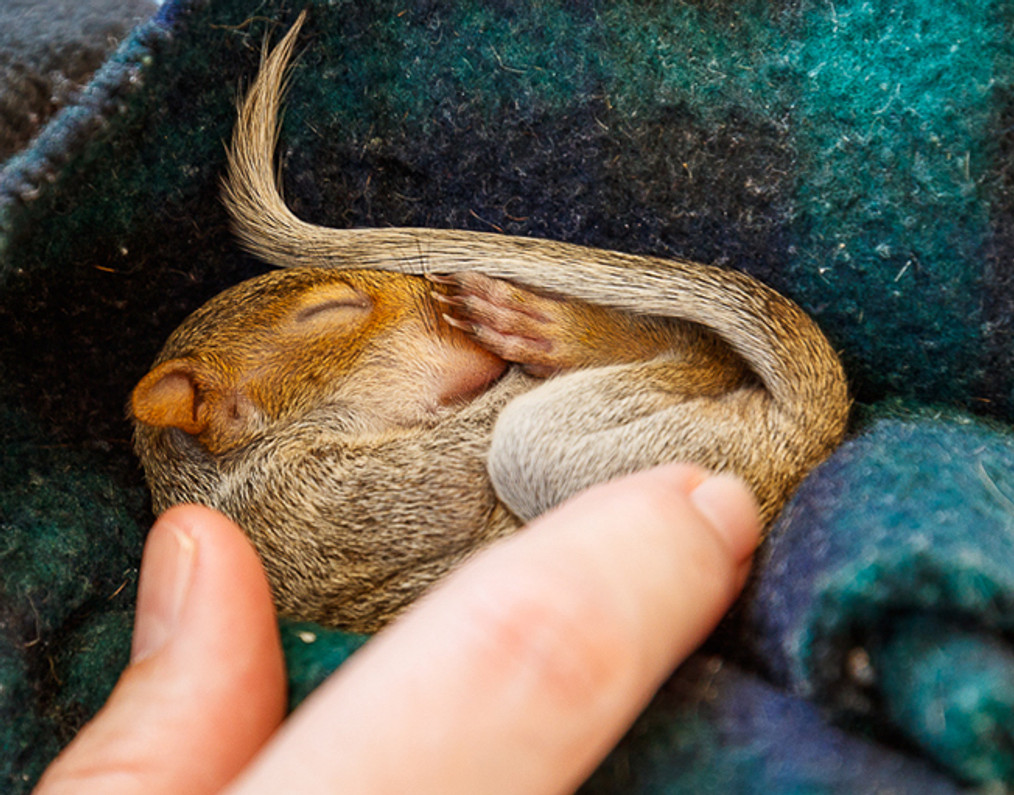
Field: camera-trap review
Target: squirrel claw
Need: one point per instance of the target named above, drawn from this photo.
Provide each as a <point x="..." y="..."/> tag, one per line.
<point x="468" y="328"/>
<point x="446" y="300"/>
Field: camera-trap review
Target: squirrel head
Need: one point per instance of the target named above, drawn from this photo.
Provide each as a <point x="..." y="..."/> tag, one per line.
<point x="279" y="345"/>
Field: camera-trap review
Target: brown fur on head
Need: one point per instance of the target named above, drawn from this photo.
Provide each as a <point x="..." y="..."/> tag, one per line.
<point x="273" y="347"/>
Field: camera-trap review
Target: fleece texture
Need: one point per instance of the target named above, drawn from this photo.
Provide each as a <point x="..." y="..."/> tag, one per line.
<point x="853" y="155"/>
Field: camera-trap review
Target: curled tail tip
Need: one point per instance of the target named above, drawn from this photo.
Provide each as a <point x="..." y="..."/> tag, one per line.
<point x="293" y="31"/>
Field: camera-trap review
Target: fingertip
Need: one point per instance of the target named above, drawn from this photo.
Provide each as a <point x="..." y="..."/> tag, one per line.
<point x="166" y="575"/>
<point x="169" y="564"/>
<point x="206" y="684"/>
<point x="681" y="476"/>
<point x="196" y="521"/>
<point x="723" y="499"/>
<point x="732" y="510"/>
<point x="230" y="612"/>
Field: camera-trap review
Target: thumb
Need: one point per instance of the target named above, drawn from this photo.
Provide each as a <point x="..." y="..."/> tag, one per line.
<point x="206" y="683"/>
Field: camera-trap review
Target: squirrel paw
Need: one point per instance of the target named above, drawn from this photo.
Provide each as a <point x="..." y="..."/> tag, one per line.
<point x="514" y="323"/>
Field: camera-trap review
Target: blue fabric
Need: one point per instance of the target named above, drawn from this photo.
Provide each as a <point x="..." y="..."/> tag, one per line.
<point x="854" y="155"/>
<point x="886" y="589"/>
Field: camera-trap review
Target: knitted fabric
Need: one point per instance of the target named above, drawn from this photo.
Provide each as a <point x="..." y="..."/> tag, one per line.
<point x="853" y="155"/>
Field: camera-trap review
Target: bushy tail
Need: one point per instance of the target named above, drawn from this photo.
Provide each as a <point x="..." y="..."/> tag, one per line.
<point x="775" y="337"/>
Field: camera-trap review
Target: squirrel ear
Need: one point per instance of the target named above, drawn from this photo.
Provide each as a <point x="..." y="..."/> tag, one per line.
<point x="171" y="396"/>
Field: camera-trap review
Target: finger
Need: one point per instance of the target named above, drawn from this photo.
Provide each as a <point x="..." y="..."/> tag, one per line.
<point x="206" y="685"/>
<point x="526" y="666"/>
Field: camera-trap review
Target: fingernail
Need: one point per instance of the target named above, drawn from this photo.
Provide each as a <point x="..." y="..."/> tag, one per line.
<point x="166" y="573"/>
<point x="730" y="506"/>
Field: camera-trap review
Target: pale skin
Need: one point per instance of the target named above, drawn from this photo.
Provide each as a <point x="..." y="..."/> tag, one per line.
<point x="539" y="653"/>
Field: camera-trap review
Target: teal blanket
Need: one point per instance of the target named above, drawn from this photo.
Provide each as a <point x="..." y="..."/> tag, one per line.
<point x="854" y="155"/>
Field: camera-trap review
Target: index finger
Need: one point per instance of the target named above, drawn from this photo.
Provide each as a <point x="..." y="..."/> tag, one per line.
<point x="520" y="671"/>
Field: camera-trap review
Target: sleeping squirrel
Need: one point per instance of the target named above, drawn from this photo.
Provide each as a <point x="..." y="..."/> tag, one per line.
<point x="390" y="400"/>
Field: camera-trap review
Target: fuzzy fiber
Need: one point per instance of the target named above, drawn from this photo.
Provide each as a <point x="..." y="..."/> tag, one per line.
<point x="854" y="155"/>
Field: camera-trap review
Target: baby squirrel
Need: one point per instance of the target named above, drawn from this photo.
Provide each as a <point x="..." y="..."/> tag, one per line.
<point x="371" y="424"/>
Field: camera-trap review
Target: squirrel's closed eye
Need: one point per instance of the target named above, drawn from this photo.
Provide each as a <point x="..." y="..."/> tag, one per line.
<point x="333" y="303"/>
<point x="338" y="305"/>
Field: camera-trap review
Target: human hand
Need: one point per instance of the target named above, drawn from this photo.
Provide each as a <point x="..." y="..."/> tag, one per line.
<point x="516" y="674"/>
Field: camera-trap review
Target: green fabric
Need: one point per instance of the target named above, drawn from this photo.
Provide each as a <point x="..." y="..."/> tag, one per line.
<point x="886" y="589"/>
<point x="854" y="155"/>
<point x="962" y="712"/>
<point x="312" y="653"/>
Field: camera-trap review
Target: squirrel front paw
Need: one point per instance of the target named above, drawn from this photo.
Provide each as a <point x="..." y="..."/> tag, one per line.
<point x="535" y="331"/>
